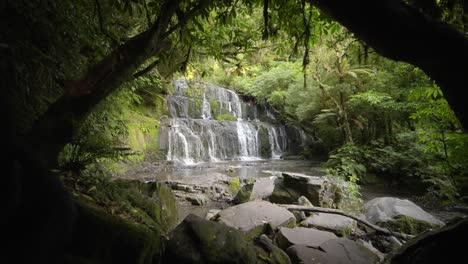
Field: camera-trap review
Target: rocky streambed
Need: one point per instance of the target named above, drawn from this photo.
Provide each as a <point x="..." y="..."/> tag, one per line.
<point x="228" y="217"/>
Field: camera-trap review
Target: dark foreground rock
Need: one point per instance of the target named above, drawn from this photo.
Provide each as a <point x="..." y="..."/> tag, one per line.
<point x="102" y="238"/>
<point x="306" y="255"/>
<point x="332" y="251"/>
<point x="445" y="245"/>
<point x="349" y="251"/>
<point x="197" y="240"/>
<point x="254" y="217"/>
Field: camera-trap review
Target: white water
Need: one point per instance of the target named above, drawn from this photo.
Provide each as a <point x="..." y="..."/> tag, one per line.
<point x="195" y="136"/>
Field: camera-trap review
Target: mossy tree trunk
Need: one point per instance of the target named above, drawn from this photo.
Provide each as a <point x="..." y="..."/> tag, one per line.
<point x="56" y="127"/>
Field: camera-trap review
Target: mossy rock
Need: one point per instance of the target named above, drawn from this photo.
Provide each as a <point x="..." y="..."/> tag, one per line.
<point x="244" y="194"/>
<point x="234" y="184"/>
<point x="151" y="204"/>
<point x="407" y="225"/>
<point x="102" y="238"/>
<point x="197" y="240"/>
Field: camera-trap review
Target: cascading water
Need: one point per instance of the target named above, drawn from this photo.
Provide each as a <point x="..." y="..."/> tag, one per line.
<point x="196" y="131"/>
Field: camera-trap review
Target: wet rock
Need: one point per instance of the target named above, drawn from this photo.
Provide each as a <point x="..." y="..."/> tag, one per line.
<point x="349" y="251"/>
<point x="263" y="187"/>
<point x="244" y="194"/>
<point x="260" y="188"/>
<point x="445" y="245"/>
<point x="323" y="191"/>
<point x="371" y="247"/>
<point x="212" y="214"/>
<point x="197" y="199"/>
<point x="197" y="240"/>
<point x="252" y="217"/>
<point x="306" y="255"/>
<point x="309" y="237"/>
<point x="330" y="222"/>
<point x="274" y="252"/>
<point x="400" y="215"/>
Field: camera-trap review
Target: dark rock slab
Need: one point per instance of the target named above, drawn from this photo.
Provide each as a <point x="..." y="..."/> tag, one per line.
<point x="197" y="240"/>
<point x="310" y="237"/>
<point x="252" y="217"/>
<point x="306" y="255"/>
<point x="349" y="251"/>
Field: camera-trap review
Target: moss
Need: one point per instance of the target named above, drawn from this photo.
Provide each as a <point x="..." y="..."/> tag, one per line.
<point x="244" y="194"/>
<point x="214" y="104"/>
<point x="265" y="147"/>
<point x="103" y="238"/>
<point x="234" y="184"/>
<point x="226" y="117"/>
<point x="407" y="225"/>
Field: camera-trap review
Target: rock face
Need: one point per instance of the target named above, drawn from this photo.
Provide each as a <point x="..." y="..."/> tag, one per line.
<point x="252" y="217"/>
<point x="197" y="240"/>
<point x="262" y="188"/>
<point x="295" y="185"/>
<point x="330" y="222"/>
<point x="323" y="191"/>
<point x="349" y="251"/>
<point x="399" y="215"/>
<point x="309" y="237"/>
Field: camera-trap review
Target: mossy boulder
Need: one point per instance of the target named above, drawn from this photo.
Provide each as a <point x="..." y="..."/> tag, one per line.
<point x="400" y="215"/>
<point x="244" y="194"/>
<point x="197" y="240"/>
<point x="99" y="237"/>
<point x="256" y="217"/>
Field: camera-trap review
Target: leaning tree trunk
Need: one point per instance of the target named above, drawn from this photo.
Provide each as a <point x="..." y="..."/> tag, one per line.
<point x="56" y="126"/>
<point x="399" y="32"/>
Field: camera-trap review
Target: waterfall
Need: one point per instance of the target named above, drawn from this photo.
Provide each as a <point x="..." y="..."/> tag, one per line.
<point x="195" y="135"/>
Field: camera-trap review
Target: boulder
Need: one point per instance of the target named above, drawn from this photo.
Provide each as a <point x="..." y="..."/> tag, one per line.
<point x="253" y="217"/>
<point x="330" y="222"/>
<point x="400" y="215"/>
<point x="320" y="190"/>
<point x="306" y="255"/>
<point x="196" y="199"/>
<point x="349" y="251"/>
<point x="197" y="240"/>
<point x="260" y="188"/>
<point x="244" y="194"/>
<point x="309" y="237"/>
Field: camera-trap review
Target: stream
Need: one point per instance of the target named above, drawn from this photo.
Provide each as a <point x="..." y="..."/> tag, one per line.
<point x="208" y="174"/>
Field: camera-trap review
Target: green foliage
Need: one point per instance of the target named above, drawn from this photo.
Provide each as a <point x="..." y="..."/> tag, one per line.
<point x="226" y="117"/>
<point x="150" y="204"/>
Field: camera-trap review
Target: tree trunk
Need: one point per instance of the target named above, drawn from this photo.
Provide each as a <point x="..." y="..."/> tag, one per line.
<point x="399" y="32"/>
<point x="56" y="127"/>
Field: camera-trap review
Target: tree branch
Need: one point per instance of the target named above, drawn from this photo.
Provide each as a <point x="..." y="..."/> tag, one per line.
<point x="101" y="24"/>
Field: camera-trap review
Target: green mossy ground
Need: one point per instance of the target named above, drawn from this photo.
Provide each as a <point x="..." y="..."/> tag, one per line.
<point x="103" y="238"/>
<point x="407" y="225"/>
